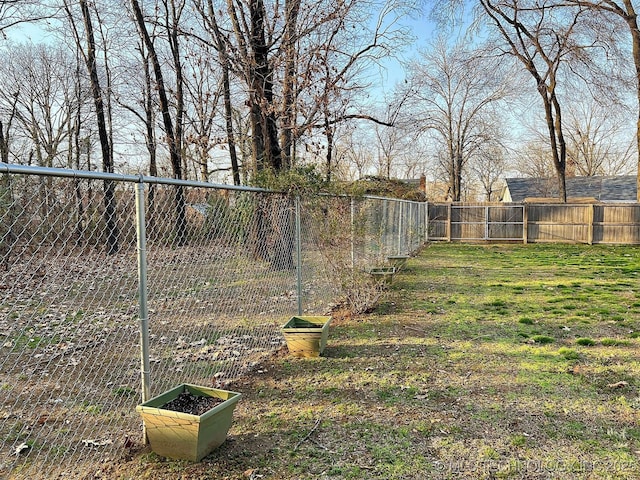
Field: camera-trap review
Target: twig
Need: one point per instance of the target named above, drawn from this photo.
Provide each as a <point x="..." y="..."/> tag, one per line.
<point x="308" y="435"/>
<point x="318" y="444"/>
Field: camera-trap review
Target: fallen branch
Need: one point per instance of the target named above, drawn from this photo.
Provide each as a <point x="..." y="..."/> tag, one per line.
<point x="308" y="435"/>
<point x="318" y="444"/>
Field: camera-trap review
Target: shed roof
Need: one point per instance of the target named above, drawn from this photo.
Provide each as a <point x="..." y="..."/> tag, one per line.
<point x="622" y="188"/>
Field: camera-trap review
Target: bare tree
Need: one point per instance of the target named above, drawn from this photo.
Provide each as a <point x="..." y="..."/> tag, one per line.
<point x="595" y="141"/>
<point x="254" y="42"/>
<point x="171" y="133"/>
<point x="391" y="144"/>
<point x="300" y="62"/>
<point x="289" y="44"/>
<point x="38" y="99"/>
<point x="357" y="155"/>
<point x="453" y="92"/>
<point x="203" y="90"/>
<point x="38" y="93"/>
<point x="541" y="35"/>
<point x="334" y="74"/>
<point x="247" y="49"/>
<point x="488" y="166"/>
<point x="9" y="112"/>
<point x="102" y="115"/>
<point x="139" y="99"/>
<point x="534" y="159"/>
<point x="17" y="12"/>
<point x="625" y="11"/>
<point x="170" y="18"/>
<point x="221" y="42"/>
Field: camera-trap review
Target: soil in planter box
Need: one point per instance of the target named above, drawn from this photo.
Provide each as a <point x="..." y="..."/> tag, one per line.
<point x="186" y="402"/>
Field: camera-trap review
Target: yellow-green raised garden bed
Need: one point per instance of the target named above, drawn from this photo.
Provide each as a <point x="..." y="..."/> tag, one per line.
<point x="306" y="336"/>
<point x="187" y="436"/>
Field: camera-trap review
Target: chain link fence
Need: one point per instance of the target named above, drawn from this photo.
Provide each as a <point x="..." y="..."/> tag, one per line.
<point x="115" y="288"/>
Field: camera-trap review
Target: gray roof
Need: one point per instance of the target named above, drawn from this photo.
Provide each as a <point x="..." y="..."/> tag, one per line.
<point x="622" y="188"/>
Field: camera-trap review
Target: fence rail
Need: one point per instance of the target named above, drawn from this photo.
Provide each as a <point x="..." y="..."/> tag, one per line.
<point x="114" y="288"/>
<point x="535" y="223"/>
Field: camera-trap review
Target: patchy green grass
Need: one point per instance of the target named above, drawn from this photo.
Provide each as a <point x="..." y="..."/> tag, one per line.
<point x="472" y="368"/>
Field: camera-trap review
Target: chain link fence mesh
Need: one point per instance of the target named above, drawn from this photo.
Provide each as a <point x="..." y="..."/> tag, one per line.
<point x="225" y="269"/>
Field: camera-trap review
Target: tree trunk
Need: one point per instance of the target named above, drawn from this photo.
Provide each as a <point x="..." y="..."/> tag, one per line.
<point x="228" y="117"/>
<point x="174" y="152"/>
<point x="221" y="46"/>
<point x="546" y="80"/>
<point x="632" y="20"/>
<point x="292" y="8"/>
<point x="4" y="145"/>
<point x="267" y="150"/>
<point x="258" y="241"/>
<point x="151" y="144"/>
<point x="284" y="231"/>
<point x="179" y="169"/>
<point x="456" y="172"/>
<point x="107" y="158"/>
<point x="328" y="131"/>
<point x="174" y="42"/>
<point x="7" y="237"/>
<point x="77" y="190"/>
<point x="556" y="138"/>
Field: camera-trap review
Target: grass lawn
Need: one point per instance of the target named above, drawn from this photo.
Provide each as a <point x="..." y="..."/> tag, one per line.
<point x="504" y="361"/>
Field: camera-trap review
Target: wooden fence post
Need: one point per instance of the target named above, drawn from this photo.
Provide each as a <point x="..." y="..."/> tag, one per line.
<point x="426" y="222"/>
<point x="449" y="223"/>
<point x="525" y="223"/>
<point x="590" y="218"/>
<point x="486" y="223"/>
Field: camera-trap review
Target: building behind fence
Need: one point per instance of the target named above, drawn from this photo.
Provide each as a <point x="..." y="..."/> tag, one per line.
<point x="99" y="313"/>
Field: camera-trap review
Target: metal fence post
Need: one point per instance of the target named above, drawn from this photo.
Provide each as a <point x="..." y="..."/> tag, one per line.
<point x="353" y="234"/>
<point x="299" y="254"/>
<point x="143" y="312"/>
<point x="400" y="229"/>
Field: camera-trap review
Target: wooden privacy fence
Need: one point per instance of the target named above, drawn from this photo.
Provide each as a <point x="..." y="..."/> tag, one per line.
<point x="617" y="223"/>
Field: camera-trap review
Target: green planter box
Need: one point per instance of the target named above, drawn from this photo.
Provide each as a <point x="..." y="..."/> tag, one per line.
<point x="383" y="274"/>
<point x="306" y="336"/>
<point x="398" y="261"/>
<point x="184" y="436"/>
